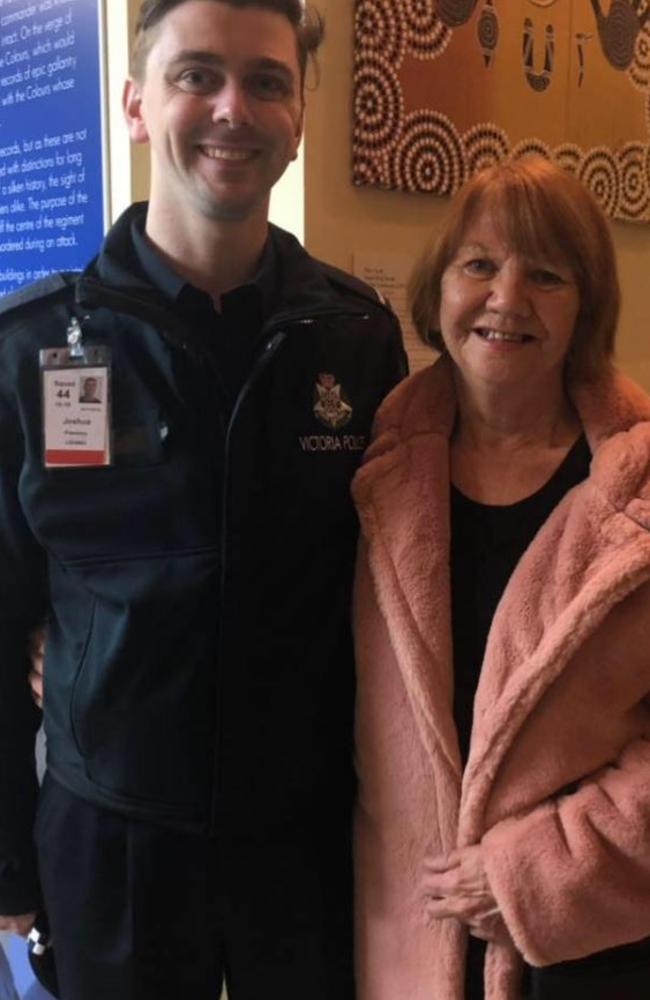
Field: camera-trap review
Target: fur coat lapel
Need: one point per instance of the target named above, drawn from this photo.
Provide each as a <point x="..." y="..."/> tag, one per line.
<point x="406" y="548"/>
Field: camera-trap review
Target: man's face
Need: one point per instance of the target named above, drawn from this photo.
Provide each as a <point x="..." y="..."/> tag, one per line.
<point x="221" y="105"/>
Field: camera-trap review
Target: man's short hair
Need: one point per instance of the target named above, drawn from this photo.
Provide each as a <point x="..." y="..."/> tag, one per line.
<point x="307" y="24"/>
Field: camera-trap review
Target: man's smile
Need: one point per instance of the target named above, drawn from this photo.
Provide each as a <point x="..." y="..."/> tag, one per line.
<point x="228" y="153"/>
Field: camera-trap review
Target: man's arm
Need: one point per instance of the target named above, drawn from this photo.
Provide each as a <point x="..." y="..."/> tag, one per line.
<point x="21" y="924"/>
<point x="37" y="658"/>
<point x="22" y="606"/>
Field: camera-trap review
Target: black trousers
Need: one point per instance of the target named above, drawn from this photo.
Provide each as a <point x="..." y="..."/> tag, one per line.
<point x="139" y="912"/>
<point x="621" y="973"/>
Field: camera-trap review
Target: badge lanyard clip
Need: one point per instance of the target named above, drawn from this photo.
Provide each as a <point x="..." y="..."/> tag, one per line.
<point x="75" y="338"/>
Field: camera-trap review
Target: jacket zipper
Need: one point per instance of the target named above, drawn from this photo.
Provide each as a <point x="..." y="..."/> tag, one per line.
<point x="261" y="363"/>
<point x="277" y="333"/>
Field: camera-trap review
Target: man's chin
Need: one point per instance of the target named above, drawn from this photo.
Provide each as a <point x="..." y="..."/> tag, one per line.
<point x="232" y="208"/>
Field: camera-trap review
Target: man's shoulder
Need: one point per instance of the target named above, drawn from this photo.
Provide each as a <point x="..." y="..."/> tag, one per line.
<point x="349" y="284"/>
<point x="323" y="277"/>
<point x="42" y="293"/>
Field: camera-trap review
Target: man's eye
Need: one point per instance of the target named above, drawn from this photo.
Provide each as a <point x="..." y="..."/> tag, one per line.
<point x="268" y="86"/>
<point x="197" y="81"/>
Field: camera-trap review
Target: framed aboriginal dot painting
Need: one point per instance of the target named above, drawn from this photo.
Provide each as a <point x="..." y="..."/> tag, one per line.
<point x="444" y="88"/>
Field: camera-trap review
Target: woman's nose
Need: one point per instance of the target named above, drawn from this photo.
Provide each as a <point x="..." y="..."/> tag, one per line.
<point x="509" y="290"/>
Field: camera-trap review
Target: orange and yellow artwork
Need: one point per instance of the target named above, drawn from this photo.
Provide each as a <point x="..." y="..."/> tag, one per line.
<point x="444" y="88"/>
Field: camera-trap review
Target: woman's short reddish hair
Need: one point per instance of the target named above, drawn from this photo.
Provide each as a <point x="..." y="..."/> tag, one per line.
<point x="543" y="211"/>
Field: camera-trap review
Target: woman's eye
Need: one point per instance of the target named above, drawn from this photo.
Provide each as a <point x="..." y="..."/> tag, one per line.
<point x="545" y="276"/>
<point x="482" y="267"/>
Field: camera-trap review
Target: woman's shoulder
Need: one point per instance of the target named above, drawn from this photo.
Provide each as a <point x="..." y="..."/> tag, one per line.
<point x="416" y="417"/>
<point x="609" y="405"/>
<point x="615" y="413"/>
<point x="423" y="402"/>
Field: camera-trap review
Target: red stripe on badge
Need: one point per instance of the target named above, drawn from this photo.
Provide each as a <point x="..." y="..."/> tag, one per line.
<point x="69" y="457"/>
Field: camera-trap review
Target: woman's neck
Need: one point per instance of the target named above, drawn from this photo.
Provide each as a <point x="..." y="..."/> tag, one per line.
<point x="508" y="442"/>
<point x="514" y="417"/>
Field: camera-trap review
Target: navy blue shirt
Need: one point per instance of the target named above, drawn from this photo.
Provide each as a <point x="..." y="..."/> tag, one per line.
<point x="233" y="330"/>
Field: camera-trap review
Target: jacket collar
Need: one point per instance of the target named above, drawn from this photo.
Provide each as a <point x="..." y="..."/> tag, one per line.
<point x="304" y="285"/>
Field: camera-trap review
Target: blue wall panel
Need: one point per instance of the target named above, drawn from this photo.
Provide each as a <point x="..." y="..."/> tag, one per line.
<point x="51" y="188"/>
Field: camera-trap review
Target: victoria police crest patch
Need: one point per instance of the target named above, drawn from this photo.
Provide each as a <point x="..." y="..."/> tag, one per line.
<point x="331" y="406"/>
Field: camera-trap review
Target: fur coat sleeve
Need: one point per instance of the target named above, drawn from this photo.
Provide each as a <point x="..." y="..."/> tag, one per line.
<point x="557" y="785"/>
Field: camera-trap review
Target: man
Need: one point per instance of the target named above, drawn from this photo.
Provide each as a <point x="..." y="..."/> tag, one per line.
<point x="192" y="547"/>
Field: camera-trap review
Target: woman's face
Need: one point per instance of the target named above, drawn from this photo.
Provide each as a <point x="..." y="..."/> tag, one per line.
<point x="506" y="318"/>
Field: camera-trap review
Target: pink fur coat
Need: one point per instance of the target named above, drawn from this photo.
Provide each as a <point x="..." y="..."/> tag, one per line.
<point x="563" y="698"/>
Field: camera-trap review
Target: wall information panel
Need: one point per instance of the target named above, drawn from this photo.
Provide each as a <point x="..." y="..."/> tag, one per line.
<point x="51" y="186"/>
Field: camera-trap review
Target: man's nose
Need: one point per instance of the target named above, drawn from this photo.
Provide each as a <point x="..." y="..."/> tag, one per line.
<point x="231" y="105"/>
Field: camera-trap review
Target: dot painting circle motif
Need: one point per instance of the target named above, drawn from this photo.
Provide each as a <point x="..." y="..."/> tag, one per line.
<point x="639" y="71"/>
<point x="530" y="147"/>
<point x="618" y="32"/>
<point x="568" y="156"/>
<point x="455" y="13"/>
<point x="380" y="27"/>
<point x="369" y="169"/>
<point x="377" y="102"/>
<point x="428" y="156"/>
<point x="426" y="36"/>
<point x="484" y="145"/>
<point x="635" y="199"/>
<point x="599" y="172"/>
<point x="487" y="30"/>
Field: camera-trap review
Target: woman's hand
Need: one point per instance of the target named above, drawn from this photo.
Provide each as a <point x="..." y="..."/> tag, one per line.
<point x="36" y="656"/>
<point x="21" y="924"/>
<point x="457" y="887"/>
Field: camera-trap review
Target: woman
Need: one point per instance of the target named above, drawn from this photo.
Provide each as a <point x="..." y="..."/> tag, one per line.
<point x="503" y="622"/>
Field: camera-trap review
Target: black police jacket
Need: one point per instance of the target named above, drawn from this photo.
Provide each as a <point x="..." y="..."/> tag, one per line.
<point x="199" y="663"/>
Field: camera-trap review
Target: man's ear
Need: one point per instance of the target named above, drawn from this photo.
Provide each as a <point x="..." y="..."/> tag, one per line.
<point x="300" y="124"/>
<point x="132" y="109"/>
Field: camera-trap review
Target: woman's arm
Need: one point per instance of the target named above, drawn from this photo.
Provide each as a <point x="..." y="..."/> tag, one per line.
<point x="457" y="887"/>
<point x="572" y="876"/>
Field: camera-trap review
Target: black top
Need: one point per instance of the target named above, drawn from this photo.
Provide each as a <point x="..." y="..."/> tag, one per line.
<point x="487" y="542"/>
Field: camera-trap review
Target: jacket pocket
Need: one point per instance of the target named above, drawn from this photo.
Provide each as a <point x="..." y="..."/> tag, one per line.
<point x="142" y="707"/>
<point x="78" y="681"/>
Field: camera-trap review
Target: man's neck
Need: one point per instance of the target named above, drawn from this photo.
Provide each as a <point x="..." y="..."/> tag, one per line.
<point x="215" y="256"/>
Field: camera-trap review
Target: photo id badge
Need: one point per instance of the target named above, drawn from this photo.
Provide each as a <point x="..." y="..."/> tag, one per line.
<point x="76" y="394"/>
